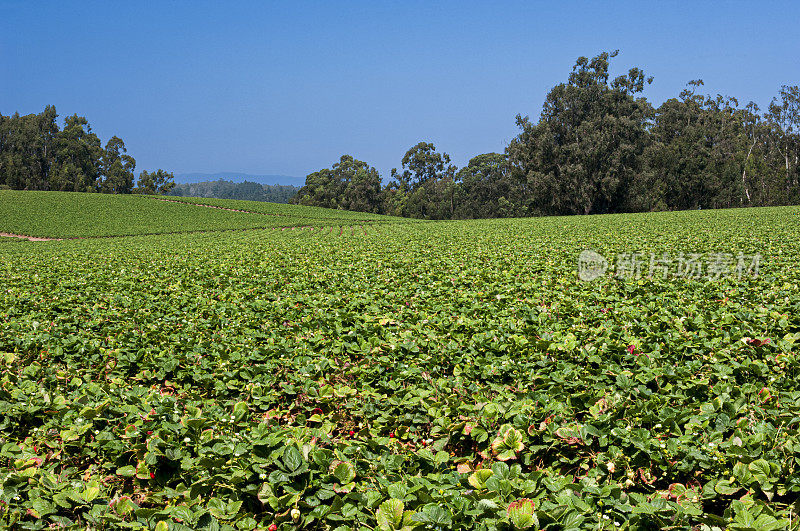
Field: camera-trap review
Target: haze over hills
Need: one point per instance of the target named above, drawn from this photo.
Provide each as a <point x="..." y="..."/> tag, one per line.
<point x="239" y="178"/>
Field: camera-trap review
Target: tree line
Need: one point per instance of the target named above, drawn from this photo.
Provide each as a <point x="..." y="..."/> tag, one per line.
<point x="597" y="147"/>
<point x="247" y="190"/>
<point x="35" y="154"/>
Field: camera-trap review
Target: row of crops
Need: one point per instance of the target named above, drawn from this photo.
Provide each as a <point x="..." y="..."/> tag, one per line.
<point x="294" y="211"/>
<point x="398" y="376"/>
<point x="79" y="215"/>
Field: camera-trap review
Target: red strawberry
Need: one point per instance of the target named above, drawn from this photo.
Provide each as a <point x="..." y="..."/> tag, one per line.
<point x="152" y="475"/>
<point x="272" y="527"/>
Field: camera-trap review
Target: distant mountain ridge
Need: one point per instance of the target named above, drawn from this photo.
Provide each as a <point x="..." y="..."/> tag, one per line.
<point x="235" y="177"/>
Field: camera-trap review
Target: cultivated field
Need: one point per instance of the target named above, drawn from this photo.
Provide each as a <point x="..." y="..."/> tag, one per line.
<point x="80" y="215"/>
<point x="376" y="373"/>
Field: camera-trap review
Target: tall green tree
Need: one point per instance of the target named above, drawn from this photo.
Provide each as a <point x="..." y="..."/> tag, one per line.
<point x="77" y="161"/>
<point x="707" y="152"/>
<point x="784" y="114"/>
<point x="36" y="155"/>
<point x="755" y="136"/>
<point x="426" y="185"/>
<point x="349" y="184"/>
<point x="585" y="151"/>
<point x="117" y="168"/>
<point x="486" y="189"/>
<point x="156" y="182"/>
<point x="394" y="197"/>
<point x="422" y="163"/>
<point x="26" y="149"/>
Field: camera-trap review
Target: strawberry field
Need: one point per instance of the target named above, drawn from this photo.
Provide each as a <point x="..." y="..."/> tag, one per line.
<point x="80" y="215"/>
<point x="388" y="376"/>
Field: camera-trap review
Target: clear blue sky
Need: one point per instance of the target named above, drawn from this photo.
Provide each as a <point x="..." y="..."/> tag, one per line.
<point x="288" y="87"/>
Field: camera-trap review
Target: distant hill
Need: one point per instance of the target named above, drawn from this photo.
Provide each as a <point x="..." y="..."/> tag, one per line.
<point x="240" y="178"/>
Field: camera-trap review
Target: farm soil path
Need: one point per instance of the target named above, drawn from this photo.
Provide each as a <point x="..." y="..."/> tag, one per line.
<point x="208" y="231"/>
<point x="301" y="227"/>
<point x="212" y="206"/>
<point x="24" y="237"/>
<point x="357" y="221"/>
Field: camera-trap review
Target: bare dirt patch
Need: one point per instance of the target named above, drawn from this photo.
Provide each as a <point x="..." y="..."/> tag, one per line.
<point x="24" y="237"/>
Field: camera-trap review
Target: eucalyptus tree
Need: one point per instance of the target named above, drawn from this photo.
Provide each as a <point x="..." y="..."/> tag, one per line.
<point x="349" y="184"/>
<point x="485" y="188"/>
<point x="586" y="148"/>
<point x="117" y="168"/>
<point x="26" y="149"/>
<point x="426" y="184"/>
<point x="784" y="114"/>
<point x="156" y="182"/>
<point x="78" y="153"/>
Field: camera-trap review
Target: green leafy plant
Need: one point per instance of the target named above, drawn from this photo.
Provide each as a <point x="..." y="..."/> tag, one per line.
<point x="522" y="514"/>
<point x="399" y="375"/>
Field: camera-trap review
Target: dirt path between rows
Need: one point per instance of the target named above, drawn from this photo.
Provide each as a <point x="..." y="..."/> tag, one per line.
<point x="311" y="228"/>
<point x="30" y="238"/>
<point x="212" y="206"/>
<point x="301" y="227"/>
<point x="272" y="214"/>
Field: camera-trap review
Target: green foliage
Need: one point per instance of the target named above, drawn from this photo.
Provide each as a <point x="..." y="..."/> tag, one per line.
<point x="63" y="215"/>
<point x="301" y="211"/>
<point x="157" y="182"/>
<point x="522" y="514"/>
<point x="407" y="375"/>
<point x="391" y="516"/>
<point x="486" y="189"/>
<point x="117" y="168"/>
<point x="248" y="191"/>
<point x="598" y="146"/>
<point x="36" y="155"/>
<point x="349" y="184"/>
<point x="584" y="153"/>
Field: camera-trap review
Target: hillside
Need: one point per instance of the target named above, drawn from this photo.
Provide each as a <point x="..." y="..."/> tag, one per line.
<point x="71" y="215"/>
